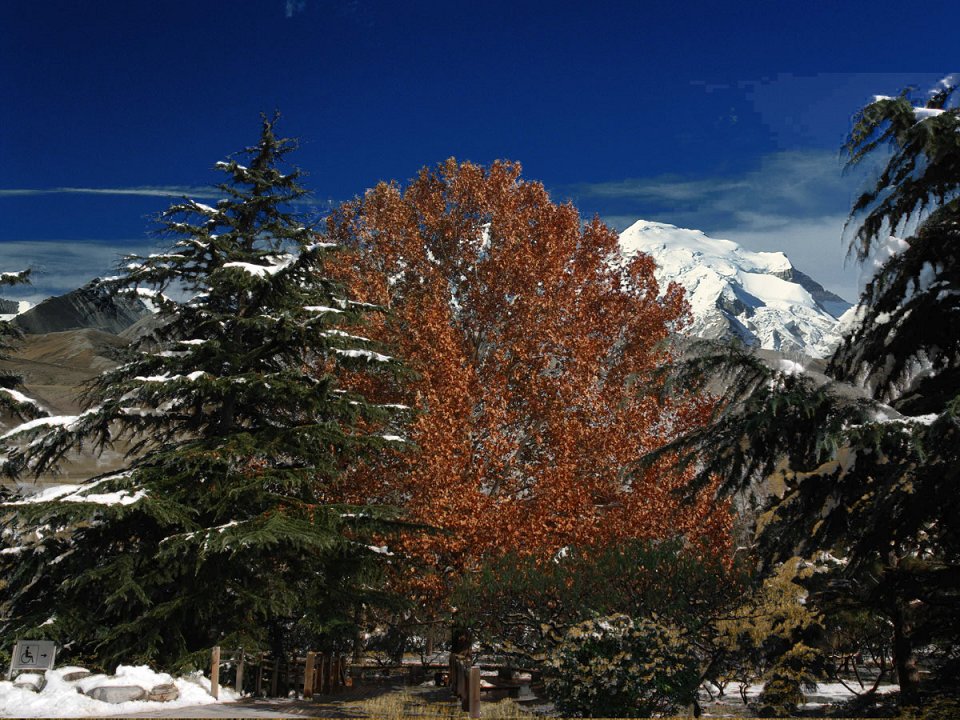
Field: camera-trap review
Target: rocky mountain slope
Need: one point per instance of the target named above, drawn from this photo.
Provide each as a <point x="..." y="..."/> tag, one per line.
<point x="90" y="306"/>
<point x="55" y="367"/>
<point x="67" y="341"/>
<point x="758" y="297"/>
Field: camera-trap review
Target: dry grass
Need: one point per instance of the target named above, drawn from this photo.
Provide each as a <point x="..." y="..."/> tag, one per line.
<point x="405" y="704"/>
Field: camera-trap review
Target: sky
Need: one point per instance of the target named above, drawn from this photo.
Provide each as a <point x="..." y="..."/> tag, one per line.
<point x="722" y="116"/>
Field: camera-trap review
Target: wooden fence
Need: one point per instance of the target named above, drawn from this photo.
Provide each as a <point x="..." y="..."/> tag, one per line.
<point x="499" y="682"/>
<point x="264" y="675"/>
<point x="465" y="681"/>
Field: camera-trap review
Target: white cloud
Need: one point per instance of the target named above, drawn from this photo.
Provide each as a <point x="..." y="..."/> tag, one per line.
<point x="793" y="201"/>
<point x="805" y="182"/>
<point x="165" y="191"/>
<point x="205" y="193"/>
<point x="60" y="266"/>
<point x="293" y="7"/>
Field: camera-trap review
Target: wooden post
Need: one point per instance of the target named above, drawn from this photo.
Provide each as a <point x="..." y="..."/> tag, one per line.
<point x="308" y="676"/>
<point x="474" y="692"/>
<point x="463" y="684"/>
<point x="239" y="683"/>
<point x="215" y="672"/>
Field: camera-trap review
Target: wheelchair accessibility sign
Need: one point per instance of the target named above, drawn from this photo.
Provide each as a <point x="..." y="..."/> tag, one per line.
<point x="33" y="655"/>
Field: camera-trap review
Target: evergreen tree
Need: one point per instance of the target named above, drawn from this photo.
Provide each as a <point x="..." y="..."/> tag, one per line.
<point x="865" y="465"/>
<point x="219" y="531"/>
<point x="12" y="401"/>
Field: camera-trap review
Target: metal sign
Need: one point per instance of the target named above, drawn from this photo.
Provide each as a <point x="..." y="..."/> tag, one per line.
<point x="33" y="655"/>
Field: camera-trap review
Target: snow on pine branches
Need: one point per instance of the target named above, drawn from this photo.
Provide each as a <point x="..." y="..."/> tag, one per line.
<point x="235" y="422"/>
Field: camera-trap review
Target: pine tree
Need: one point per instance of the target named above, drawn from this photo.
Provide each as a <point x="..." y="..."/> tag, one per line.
<point x="865" y="465"/>
<point x="218" y="531"/>
<point x="12" y="401"/>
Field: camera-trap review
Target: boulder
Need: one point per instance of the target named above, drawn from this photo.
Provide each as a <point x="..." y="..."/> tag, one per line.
<point x="163" y="693"/>
<point x="30" y="681"/>
<point x="117" y="693"/>
<point x="72" y="674"/>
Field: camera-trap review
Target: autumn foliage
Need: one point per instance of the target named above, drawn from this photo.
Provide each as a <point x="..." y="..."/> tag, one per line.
<point x="531" y="341"/>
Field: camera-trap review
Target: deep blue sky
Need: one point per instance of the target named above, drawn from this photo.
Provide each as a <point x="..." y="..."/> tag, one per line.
<point x="726" y="116"/>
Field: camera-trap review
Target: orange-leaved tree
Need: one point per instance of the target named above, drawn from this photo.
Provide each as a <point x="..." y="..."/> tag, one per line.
<point x="532" y="339"/>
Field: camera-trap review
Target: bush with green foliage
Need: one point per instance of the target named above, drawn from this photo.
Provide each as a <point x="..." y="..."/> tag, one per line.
<point x="939" y="708"/>
<point x="791" y="673"/>
<point x="523" y="606"/>
<point x="617" y="666"/>
<point x="774" y="637"/>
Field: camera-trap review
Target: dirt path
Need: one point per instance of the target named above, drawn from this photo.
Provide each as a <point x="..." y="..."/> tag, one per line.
<point x="326" y="706"/>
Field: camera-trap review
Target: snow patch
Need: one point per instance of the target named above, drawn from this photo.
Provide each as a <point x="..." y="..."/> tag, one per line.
<point x="366" y="354"/>
<point x="60" y="698"/>
<point x="277" y="263"/>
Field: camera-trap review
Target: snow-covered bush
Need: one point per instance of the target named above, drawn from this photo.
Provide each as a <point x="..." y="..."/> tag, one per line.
<point x="617" y="666"/>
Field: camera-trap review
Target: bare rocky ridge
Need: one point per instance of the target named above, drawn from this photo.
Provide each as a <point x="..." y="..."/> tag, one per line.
<point x="90" y="306"/>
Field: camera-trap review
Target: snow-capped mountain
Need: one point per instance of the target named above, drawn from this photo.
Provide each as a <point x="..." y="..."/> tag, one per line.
<point x="734" y="292"/>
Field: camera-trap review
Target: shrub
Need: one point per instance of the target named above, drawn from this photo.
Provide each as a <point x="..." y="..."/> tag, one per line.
<point x="938" y="708"/>
<point x="617" y="666"/>
<point x="792" y="672"/>
<point x="523" y="606"/>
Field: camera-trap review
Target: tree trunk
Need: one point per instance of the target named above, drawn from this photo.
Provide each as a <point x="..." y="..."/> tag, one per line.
<point x="358" y="634"/>
<point x="461" y="639"/>
<point x="278" y="650"/>
<point x="904" y="657"/>
<point x="461" y="642"/>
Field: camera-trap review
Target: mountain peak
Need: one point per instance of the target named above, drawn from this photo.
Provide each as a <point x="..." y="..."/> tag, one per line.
<point x="91" y="306"/>
<point x="759" y="297"/>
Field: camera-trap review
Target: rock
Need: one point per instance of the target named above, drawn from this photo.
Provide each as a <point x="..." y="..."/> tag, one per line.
<point x="30" y="681"/>
<point x="72" y="674"/>
<point x="117" y="693"/>
<point x="163" y="693"/>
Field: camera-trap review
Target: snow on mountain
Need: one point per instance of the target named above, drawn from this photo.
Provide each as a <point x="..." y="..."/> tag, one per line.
<point x="758" y="297"/>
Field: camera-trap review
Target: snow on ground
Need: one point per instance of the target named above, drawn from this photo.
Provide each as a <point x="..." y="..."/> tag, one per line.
<point x="731" y="704"/>
<point x="63" y="699"/>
